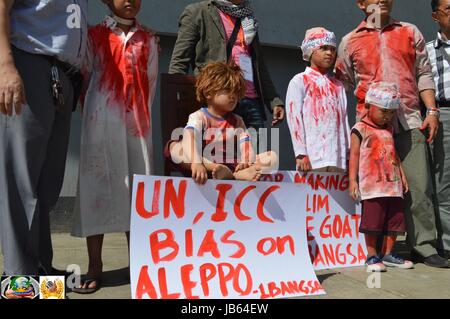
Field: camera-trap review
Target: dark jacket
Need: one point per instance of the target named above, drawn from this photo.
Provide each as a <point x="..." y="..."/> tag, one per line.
<point x="202" y="39"/>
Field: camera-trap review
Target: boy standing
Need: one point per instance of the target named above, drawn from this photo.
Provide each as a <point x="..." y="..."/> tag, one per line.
<point x="377" y="177"/>
<point x="439" y="52"/>
<point x="382" y="49"/>
<point x="317" y="108"/>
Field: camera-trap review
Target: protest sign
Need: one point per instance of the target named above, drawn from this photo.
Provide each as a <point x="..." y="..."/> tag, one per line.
<point x="332" y="218"/>
<point x="225" y="239"/>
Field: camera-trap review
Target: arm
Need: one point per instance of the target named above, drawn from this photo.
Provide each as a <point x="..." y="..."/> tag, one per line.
<point x="188" y="36"/>
<point x="246" y="148"/>
<point x="192" y="153"/>
<point x="86" y="71"/>
<point x="347" y="130"/>
<point x="354" y="166"/>
<point x="344" y="66"/>
<point x="425" y="83"/>
<point x="294" y="112"/>
<point x="12" y="92"/>
<point x="431" y="121"/>
<point x="153" y="69"/>
<point x="192" y="148"/>
<point x="404" y="180"/>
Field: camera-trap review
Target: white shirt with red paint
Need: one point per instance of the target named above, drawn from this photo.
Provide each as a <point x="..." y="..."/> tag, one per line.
<point x="379" y="173"/>
<point x="317" y="118"/>
<point x="116" y="139"/>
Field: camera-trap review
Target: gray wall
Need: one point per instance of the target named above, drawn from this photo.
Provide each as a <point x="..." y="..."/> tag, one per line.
<point x="282" y="26"/>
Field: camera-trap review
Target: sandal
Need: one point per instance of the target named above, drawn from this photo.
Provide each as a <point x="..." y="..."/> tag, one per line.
<point x="87" y="290"/>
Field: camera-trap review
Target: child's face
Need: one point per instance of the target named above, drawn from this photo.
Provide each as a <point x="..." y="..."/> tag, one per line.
<point x="385" y="6"/>
<point x="324" y="57"/>
<point x="223" y="101"/>
<point x="380" y="116"/>
<point x="127" y="9"/>
<point x="442" y="15"/>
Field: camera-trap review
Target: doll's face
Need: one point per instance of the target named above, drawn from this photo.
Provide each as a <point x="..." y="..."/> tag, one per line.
<point x="223" y="101"/>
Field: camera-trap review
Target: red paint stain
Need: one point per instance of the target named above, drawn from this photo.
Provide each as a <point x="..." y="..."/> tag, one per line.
<point x="124" y="73"/>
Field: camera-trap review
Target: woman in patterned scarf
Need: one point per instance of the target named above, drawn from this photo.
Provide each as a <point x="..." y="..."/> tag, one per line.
<point x="205" y="30"/>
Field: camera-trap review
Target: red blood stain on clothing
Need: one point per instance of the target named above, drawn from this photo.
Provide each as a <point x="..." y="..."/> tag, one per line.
<point x="124" y="74"/>
<point x="297" y="125"/>
<point x="388" y="56"/>
<point x="322" y="94"/>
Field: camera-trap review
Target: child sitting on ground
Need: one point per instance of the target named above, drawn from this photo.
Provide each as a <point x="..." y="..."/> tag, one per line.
<point x="317" y="108"/>
<point x="377" y="177"/>
<point x="208" y="147"/>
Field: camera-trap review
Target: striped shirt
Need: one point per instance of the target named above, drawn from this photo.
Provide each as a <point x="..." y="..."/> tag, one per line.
<point x="439" y="52"/>
<point x="224" y="138"/>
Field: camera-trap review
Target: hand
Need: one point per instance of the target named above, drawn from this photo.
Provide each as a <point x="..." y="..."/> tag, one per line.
<point x="432" y="123"/>
<point x="303" y="164"/>
<point x="405" y="185"/>
<point x="241" y="166"/>
<point x="278" y="115"/>
<point x="354" y="190"/>
<point x="12" y="92"/>
<point x="199" y="173"/>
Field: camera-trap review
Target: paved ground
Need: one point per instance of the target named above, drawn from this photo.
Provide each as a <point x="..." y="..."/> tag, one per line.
<point x="421" y="282"/>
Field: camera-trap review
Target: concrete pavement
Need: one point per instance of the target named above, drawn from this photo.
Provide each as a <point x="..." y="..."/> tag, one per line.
<point x="350" y="283"/>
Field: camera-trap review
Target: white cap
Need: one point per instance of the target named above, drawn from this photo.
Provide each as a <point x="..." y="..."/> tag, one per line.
<point x="314" y="39"/>
<point x="384" y="95"/>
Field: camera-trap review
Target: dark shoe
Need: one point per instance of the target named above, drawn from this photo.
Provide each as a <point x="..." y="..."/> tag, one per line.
<point x="445" y="254"/>
<point x="87" y="290"/>
<point x="416" y="257"/>
<point x="436" y="261"/>
<point x="394" y="260"/>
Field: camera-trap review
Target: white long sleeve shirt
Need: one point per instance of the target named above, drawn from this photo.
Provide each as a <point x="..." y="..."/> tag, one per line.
<point x="317" y="119"/>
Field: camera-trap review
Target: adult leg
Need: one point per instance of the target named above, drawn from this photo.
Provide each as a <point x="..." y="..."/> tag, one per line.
<point x="441" y="170"/>
<point x="252" y="112"/>
<point x="24" y="142"/>
<point x="419" y="211"/>
<point x="93" y="277"/>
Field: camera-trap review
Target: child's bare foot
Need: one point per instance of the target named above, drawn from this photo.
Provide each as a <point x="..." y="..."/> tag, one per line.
<point x="251" y="174"/>
<point x="222" y="172"/>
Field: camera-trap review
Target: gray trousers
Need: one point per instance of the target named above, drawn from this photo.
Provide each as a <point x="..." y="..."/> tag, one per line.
<point x="33" y="149"/>
<point x="441" y="167"/>
<point x="419" y="211"/>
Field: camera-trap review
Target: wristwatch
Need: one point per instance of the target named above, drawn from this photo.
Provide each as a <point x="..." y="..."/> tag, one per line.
<point x="434" y="111"/>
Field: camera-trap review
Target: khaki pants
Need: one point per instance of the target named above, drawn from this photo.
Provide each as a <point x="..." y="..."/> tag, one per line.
<point x="441" y="169"/>
<point x="419" y="211"/>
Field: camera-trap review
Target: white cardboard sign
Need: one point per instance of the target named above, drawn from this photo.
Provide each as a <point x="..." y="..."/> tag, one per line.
<point x="225" y="239"/>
